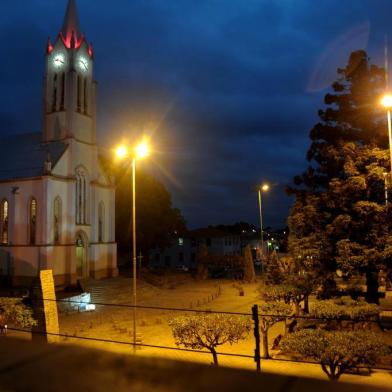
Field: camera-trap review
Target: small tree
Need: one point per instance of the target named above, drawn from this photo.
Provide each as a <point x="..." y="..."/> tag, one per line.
<point x="272" y="313"/>
<point x="249" y="269"/>
<point x="278" y="292"/>
<point x="337" y="352"/>
<point x="286" y="292"/>
<point x="13" y="311"/>
<point x="207" y="331"/>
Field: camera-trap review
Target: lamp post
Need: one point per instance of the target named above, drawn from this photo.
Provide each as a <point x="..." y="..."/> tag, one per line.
<point x="386" y="187"/>
<point x="263" y="188"/>
<point x="386" y="101"/>
<point x="141" y="151"/>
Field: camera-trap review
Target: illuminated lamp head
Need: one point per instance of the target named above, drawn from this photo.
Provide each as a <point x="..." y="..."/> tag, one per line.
<point x="386" y="101"/>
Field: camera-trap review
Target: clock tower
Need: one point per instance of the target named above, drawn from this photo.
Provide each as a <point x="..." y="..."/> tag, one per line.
<point x="70" y="88"/>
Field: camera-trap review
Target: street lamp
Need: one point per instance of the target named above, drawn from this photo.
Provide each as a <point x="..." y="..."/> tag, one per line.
<point x="386" y="187"/>
<point x="386" y="101"/>
<point x="262" y="188"/>
<point x="140" y="151"/>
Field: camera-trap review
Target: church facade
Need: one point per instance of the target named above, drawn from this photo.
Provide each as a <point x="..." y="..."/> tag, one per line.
<point x="57" y="204"/>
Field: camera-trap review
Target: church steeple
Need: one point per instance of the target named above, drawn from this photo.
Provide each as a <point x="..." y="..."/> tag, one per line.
<point x="70" y="86"/>
<point x="70" y="32"/>
<point x="71" y="20"/>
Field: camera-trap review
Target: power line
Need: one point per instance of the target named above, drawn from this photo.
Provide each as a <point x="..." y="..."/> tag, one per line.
<point x="182" y="349"/>
<point x="304" y="317"/>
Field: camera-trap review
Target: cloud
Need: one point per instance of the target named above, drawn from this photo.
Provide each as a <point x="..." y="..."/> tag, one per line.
<point x="229" y="88"/>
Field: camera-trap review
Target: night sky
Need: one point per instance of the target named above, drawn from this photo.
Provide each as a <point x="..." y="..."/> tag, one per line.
<point x="228" y="89"/>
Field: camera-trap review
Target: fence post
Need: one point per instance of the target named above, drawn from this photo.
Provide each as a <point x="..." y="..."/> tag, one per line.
<point x="256" y="332"/>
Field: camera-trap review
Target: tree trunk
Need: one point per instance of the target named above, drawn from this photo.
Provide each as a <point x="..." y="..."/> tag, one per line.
<point x="297" y="308"/>
<point x="214" y="356"/>
<point x="332" y="374"/>
<point x="372" y="286"/>
<point x="265" y="344"/>
<point x="388" y="279"/>
<point x="306" y="304"/>
<point x="334" y="377"/>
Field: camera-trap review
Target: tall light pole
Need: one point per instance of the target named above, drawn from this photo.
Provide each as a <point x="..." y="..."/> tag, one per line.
<point x="386" y="101"/>
<point x="386" y="187"/>
<point x="262" y="188"/>
<point x="141" y="151"/>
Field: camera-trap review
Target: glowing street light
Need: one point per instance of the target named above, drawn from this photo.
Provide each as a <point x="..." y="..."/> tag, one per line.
<point x="140" y="151"/>
<point x="386" y="101"/>
<point x="262" y="188"/>
<point x="121" y="152"/>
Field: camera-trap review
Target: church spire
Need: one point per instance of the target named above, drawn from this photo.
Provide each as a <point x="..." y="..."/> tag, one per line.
<point x="70" y="33"/>
<point x="71" y="21"/>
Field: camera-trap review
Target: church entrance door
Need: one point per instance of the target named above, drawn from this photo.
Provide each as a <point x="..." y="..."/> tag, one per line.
<point x="81" y="257"/>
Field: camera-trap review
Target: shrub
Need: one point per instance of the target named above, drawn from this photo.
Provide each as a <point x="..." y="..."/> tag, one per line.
<point x="13" y="311"/>
<point x="345" y="309"/>
<point x="249" y="269"/>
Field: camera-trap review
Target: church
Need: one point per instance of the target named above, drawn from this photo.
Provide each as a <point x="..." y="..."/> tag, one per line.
<point x="57" y="204"/>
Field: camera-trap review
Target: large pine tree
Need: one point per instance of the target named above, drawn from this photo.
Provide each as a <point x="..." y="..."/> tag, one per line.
<point x="338" y="219"/>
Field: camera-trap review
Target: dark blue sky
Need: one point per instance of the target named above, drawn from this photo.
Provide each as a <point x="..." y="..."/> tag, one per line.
<point x="229" y="88"/>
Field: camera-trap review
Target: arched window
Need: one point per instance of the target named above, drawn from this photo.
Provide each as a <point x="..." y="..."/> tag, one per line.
<point x="101" y="221"/>
<point x="81" y="197"/>
<point x="79" y="94"/>
<point x="54" y="99"/>
<point x="33" y="221"/>
<point x="62" y="91"/>
<point x="56" y="220"/>
<point x="4" y="222"/>
<point x="85" y="97"/>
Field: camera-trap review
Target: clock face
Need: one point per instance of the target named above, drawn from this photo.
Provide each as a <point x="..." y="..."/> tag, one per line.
<point x="59" y="60"/>
<point x="83" y="64"/>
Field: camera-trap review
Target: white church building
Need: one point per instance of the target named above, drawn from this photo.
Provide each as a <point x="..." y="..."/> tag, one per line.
<point x="57" y="204"/>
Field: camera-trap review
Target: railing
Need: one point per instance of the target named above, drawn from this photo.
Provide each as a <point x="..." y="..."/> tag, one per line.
<point x="251" y="351"/>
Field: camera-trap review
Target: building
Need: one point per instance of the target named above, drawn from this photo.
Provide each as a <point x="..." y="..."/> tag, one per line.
<point x="56" y="202"/>
<point x="183" y="250"/>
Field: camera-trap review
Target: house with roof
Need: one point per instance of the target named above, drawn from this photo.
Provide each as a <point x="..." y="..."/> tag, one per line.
<point x="56" y="201"/>
<point x="183" y="250"/>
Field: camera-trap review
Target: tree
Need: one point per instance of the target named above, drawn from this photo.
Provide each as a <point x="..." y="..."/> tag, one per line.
<point x="290" y="293"/>
<point x="337" y="352"/>
<point x="279" y="292"/>
<point x="272" y="313"/>
<point x="13" y="311"/>
<point x="338" y="218"/>
<point x="208" y="331"/>
<point x="249" y="268"/>
<point x="344" y="311"/>
<point x="352" y="116"/>
<point x="157" y="223"/>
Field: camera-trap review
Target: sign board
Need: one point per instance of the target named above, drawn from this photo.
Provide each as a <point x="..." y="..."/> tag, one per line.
<point x="50" y="306"/>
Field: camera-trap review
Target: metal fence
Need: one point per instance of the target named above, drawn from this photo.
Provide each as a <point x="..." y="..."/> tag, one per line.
<point x="111" y="326"/>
